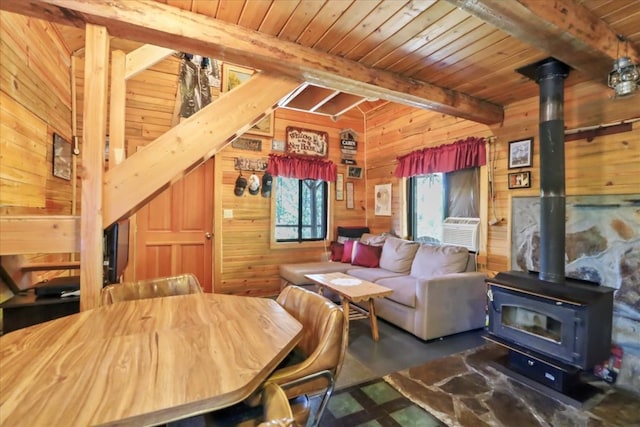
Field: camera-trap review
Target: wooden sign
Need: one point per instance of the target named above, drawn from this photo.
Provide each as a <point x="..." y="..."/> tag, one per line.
<point x="247" y="144"/>
<point x="307" y="142"/>
<point x="254" y="165"/>
<point x="349" y="144"/>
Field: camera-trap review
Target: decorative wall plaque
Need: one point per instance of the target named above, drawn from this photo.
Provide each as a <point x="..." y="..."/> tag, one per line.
<point x="307" y="142"/>
<point x="348" y="146"/>
<point x="340" y="187"/>
<point x="247" y="144"/>
<point x="255" y="165"/>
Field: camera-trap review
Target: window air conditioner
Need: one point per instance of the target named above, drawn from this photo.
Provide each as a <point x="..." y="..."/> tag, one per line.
<point x="461" y="232"/>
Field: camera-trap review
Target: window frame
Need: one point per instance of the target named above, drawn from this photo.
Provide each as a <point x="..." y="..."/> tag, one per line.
<point x="410" y="195"/>
<point x="411" y="204"/>
<point x="316" y="243"/>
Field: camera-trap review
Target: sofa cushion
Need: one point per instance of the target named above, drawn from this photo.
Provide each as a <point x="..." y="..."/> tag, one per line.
<point x="436" y="260"/>
<point x="404" y="289"/>
<point x="397" y="254"/>
<point x="366" y="255"/>
<point x="373" y="239"/>
<point x="337" y="249"/>
<point x="294" y="273"/>
<point x="372" y="274"/>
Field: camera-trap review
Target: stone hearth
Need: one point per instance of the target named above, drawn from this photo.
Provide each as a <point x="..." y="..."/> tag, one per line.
<point x="466" y="390"/>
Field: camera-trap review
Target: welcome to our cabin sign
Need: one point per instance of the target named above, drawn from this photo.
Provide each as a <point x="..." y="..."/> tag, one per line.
<point x="307" y="142"/>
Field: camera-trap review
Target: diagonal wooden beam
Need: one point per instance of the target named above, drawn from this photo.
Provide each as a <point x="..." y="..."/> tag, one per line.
<point x="143" y="58"/>
<point x="564" y="29"/>
<point x="191" y="32"/>
<point x="127" y="187"/>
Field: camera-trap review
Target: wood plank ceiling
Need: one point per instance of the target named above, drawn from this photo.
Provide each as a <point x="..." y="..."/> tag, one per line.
<point x="467" y="48"/>
<point x="471" y="48"/>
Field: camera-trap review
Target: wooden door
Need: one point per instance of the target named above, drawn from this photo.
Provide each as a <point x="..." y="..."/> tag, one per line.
<point x="174" y="230"/>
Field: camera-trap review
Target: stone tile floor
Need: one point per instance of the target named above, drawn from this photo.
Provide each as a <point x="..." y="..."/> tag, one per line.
<point x="466" y="390"/>
<point x="375" y="403"/>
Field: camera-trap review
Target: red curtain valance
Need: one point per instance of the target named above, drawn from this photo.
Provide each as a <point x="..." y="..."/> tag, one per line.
<point x="302" y="167"/>
<point x="462" y="154"/>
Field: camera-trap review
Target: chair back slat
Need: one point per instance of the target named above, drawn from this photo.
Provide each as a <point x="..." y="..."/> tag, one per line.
<point x="150" y="288"/>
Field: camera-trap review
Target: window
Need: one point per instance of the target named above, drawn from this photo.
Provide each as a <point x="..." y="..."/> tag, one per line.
<point x="436" y="196"/>
<point x="301" y="209"/>
<point x="426" y="206"/>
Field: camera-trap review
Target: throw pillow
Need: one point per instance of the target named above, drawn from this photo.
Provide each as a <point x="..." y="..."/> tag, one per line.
<point x="347" y="251"/>
<point x="342" y="239"/>
<point x="337" y="249"/>
<point x="352" y="232"/>
<point x="397" y="254"/>
<point x="436" y="260"/>
<point x="373" y="239"/>
<point x="367" y="255"/>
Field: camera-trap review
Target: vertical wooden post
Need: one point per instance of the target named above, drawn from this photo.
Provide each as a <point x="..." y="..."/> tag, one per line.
<point x="117" y="104"/>
<point x="93" y="136"/>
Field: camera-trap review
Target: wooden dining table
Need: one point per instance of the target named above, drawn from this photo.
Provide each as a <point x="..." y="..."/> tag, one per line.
<point x="142" y="362"/>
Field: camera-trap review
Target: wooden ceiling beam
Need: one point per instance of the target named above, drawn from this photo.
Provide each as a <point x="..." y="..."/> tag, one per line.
<point x="191" y="32"/>
<point x="190" y="143"/>
<point x="564" y="29"/>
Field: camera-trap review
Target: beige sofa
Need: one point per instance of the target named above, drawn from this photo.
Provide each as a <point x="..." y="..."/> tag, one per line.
<point x="437" y="291"/>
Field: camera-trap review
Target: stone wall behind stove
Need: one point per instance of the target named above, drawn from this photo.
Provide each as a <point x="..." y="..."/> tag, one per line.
<point x="602" y="245"/>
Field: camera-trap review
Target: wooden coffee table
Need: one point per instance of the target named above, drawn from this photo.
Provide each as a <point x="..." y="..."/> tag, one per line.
<point x="351" y="289"/>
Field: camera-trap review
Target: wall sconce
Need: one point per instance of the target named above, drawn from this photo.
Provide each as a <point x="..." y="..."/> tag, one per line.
<point x="625" y="77"/>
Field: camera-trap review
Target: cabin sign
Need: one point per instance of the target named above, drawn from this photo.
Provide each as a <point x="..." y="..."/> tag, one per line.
<point x="307" y="142"/>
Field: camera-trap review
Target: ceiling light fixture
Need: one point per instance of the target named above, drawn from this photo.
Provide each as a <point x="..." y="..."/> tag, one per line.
<point x="625" y="77"/>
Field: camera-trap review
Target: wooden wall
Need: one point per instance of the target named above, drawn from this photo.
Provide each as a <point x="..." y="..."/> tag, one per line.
<point x="36" y="90"/>
<point x="605" y="165"/>
<point x="35" y="102"/>
<point x="246" y="260"/>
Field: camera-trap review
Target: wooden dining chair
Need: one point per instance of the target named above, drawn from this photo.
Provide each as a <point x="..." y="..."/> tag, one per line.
<point x="275" y="407"/>
<point x="316" y="362"/>
<point x="274" y="411"/>
<point x="150" y="288"/>
<point x="310" y="370"/>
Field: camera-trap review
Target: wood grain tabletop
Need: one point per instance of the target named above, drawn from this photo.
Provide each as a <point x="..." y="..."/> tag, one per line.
<point x="142" y="362"/>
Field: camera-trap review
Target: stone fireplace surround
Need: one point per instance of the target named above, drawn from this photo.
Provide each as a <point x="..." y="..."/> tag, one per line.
<point x="602" y="245"/>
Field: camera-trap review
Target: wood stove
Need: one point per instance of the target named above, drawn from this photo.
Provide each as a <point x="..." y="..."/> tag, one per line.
<point x="553" y="332"/>
<point x="554" y="327"/>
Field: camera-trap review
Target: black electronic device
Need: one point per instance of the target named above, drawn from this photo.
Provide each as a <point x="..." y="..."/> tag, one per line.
<point x="116" y="251"/>
<point x="57" y="287"/>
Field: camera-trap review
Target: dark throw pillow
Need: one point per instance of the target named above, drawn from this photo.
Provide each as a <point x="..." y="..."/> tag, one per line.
<point x="367" y="255"/>
<point x="346" y="252"/>
<point x="352" y="232"/>
<point x="337" y="249"/>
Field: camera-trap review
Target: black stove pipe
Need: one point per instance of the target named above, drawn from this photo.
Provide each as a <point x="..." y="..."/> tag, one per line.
<point x="550" y="75"/>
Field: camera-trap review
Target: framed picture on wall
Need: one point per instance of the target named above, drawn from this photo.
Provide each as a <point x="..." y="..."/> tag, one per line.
<point x="61" y="158"/>
<point x="520" y="153"/>
<point x="354" y="172"/>
<point x="520" y="180"/>
<point x="340" y="187"/>
<point x="382" y="197"/>
<point x="233" y="76"/>
<point x="350" y="196"/>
